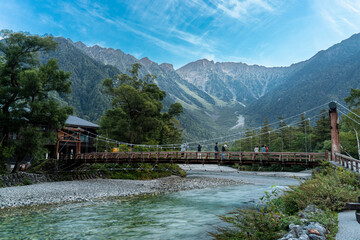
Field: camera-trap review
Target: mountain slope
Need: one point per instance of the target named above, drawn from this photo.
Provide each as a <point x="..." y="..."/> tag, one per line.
<point x="235" y="81"/>
<point x="203" y="116"/>
<point x="216" y="95"/>
<point x="87" y="75"/>
<point x="327" y="76"/>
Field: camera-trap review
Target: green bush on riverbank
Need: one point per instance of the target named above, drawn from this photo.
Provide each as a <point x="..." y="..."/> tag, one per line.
<point x="272" y="168"/>
<point x="329" y="189"/>
<point x="143" y="171"/>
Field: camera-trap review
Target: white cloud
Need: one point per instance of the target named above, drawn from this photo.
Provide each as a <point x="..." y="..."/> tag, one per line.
<point x="192" y="38"/>
<point x="157" y="34"/>
<point x="342" y="16"/>
<point x="241" y="10"/>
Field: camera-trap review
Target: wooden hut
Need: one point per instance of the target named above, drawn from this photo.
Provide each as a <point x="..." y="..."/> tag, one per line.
<point x="78" y="136"/>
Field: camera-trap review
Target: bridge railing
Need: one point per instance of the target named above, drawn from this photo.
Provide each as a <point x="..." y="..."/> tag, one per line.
<point x="348" y="162"/>
<point x="204" y="157"/>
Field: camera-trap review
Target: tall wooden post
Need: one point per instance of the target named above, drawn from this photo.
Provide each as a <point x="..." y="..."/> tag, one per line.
<point x="335" y="142"/>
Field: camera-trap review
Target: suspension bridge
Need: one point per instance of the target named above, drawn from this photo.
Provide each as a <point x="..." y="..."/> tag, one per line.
<point x="170" y="155"/>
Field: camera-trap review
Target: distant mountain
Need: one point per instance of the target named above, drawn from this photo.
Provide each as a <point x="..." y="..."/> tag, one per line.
<point x="235" y="81"/>
<point x="327" y="76"/>
<point x="202" y="118"/>
<point x="87" y="75"/>
<point x="216" y="96"/>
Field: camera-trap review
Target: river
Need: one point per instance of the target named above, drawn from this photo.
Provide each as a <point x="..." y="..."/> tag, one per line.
<point x="181" y="215"/>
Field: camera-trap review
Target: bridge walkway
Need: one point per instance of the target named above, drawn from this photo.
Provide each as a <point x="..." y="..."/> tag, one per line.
<point x="349" y="228"/>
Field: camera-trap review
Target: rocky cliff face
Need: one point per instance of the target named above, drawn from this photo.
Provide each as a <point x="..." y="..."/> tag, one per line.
<point x="107" y="56"/>
<point x="231" y="81"/>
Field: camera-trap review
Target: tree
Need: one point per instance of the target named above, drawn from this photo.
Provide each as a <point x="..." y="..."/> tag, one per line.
<point x="27" y="110"/>
<point x="321" y="131"/>
<point x="349" y="125"/>
<point x="136" y="115"/>
<point x="354" y="99"/>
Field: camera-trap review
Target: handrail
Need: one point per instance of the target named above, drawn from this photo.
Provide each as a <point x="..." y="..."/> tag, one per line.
<point x="289" y="158"/>
<point x="344" y="160"/>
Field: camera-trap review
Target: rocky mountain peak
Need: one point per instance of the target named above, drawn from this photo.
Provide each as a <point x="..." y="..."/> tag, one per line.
<point x="146" y="62"/>
<point x="167" y="66"/>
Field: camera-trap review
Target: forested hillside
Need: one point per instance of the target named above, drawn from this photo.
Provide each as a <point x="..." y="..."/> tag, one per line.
<point x="87" y="75"/>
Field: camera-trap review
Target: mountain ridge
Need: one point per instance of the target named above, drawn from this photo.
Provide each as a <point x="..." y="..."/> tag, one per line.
<point x="216" y="95"/>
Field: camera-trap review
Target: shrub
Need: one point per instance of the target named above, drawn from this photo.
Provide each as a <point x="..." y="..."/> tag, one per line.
<point x="27" y="181"/>
<point x="265" y="222"/>
<point x="330" y="188"/>
<point x="143" y="171"/>
<point x="272" y="168"/>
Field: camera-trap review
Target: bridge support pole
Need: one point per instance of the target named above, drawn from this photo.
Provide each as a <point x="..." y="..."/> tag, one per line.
<point x="335" y="142"/>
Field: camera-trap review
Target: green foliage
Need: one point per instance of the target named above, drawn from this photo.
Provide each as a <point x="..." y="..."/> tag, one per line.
<point x="27" y="181"/>
<point x="27" y="109"/>
<point x="265" y="222"/>
<point x="138" y="172"/>
<point x="87" y="98"/>
<point x="301" y="138"/>
<point x="5" y="154"/>
<point x="354" y="98"/>
<point x="272" y="168"/>
<point x="328" y="189"/>
<point x="40" y="165"/>
<point x="136" y="115"/>
<point x="254" y="225"/>
<point x="348" y="131"/>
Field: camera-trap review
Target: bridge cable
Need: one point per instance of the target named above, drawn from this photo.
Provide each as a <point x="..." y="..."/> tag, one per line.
<point x="310" y="147"/>
<point x="349" y="117"/>
<point x="348" y="109"/>
<point x="169" y="146"/>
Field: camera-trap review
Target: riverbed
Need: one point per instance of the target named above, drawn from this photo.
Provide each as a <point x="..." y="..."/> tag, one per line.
<point x="189" y="214"/>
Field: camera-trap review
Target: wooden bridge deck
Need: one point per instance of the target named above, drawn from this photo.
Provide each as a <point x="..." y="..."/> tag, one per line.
<point x="229" y="158"/>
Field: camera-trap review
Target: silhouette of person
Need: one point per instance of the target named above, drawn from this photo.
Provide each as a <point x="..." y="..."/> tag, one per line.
<point x="216" y="148"/>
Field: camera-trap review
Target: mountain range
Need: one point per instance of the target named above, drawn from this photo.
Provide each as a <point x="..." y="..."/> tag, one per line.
<point x="218" y="98"/>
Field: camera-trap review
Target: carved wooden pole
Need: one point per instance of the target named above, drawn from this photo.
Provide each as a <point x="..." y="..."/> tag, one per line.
<point x="335" y="142"/>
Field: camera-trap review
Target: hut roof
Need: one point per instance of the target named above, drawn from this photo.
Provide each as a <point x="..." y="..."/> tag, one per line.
<point x="76" y="121"/>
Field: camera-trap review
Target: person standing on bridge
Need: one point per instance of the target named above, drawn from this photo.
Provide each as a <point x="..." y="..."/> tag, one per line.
<point x="183" y="149"/>
<point x="199" y="151"/>
<point x="263" y="148"/>
<point x="256" y="149"/>
<point x="216" y="148"/>
<point x="223" y="150"/>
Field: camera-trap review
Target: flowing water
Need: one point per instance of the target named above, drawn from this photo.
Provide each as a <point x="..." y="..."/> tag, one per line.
<point x="181" y="215"/>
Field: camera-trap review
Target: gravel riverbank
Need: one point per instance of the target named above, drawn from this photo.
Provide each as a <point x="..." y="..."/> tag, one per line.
<point x="88" y="190"/>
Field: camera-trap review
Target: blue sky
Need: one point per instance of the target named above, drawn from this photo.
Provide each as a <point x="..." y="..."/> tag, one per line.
<point x="263" y="32"/>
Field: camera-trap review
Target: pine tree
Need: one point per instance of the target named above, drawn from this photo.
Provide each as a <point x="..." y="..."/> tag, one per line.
<point x="27" y="110"/>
